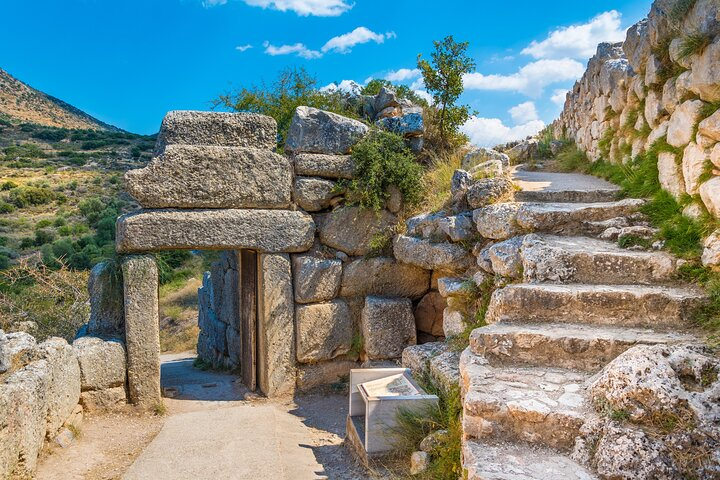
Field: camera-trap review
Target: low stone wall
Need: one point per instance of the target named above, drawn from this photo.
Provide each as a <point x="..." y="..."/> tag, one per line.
<point x="654" y="87"/>
<point x="46" y="388"/>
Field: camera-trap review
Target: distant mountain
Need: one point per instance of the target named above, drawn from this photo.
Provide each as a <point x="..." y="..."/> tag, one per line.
<point x="22" y="102"/>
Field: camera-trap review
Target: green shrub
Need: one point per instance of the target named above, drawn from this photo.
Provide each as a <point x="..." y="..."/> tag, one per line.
<point x="44" y="236"/>
<point x="694" y="44"/>
<point x="382" y="160"/>
<point x="6" y="207"/>
<point x="8" y="185"/>
<point x="680" y="9"/>
<point x="29" y="196"/>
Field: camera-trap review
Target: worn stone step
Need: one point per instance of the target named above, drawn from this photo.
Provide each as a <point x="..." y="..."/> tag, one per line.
<point x="562" y="187"/>
<point x="621" y="305"/>
<point x="552" y="258"/>
<point x="571" y="218"/>
<point x="505" y="461"/>
<point x="580" y="347"/>
<point x="542" y="406"/>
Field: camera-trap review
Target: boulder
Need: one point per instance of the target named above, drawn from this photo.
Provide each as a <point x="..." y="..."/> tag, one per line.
<point x="429" y="314"/>
<point x="63" y="389"/>
<point x="327" y="166"/>
<point x="388" y="326"/>
<point x="482" y="155"/>
<point x="710" y="195"/>
<point x="408" y="124"/>
<point x="324" y="331"/>
<point x="711" y="252"/>
<point x="108" y="400"/>
<point x="715" y="155"/>
<point x="460" y="182"/>
<point x="693" y="166"/>
<point x="192" y="176"/>
<point x="710" y="127"/>
<point x="426" y="225"/>
<point x="637" y="45"/>
<point x="263" y="230"/>
<point x="383" y="276"/>
<point x="417" y="357"/>
<point x="452" y="287"/>
<point x="314" y="375"/>
<point x="453" y="322"/>
<point x="669" y="96"/>
<point x="505" y="257"/>
<point x="217" y="128"/>
<point x="318" y="131"/>
<point x="419" y="462"/>
<point x="653" y="109"/>
<point x="142" y="325"/>
<point x="314" y="194"/>
<point x="682" y="123"/>
<point x="316" y="279"/>
<point x="705" y="76"/>
<point x="102" y="363"/>
<point x="16" y="351"/>
<point x="669" y="174"/>
<point x="497" y="221"/>
<point x="351" y="229"/>
<point x="488" y="190"/>
<point x="458" y="228"/>
<point x="105" y="289"/>
<point x="431" y="256"/>
<point x="652" y="70"/>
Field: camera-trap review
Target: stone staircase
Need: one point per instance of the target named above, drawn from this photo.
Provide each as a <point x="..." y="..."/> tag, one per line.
<point x="580" y="302"/>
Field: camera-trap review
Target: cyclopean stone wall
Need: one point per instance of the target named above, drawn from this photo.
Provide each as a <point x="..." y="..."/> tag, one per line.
<point x="646" y="90"/>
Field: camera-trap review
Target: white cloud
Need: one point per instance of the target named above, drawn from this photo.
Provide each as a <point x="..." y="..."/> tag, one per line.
<point x="304" y="8"/>
<point x="424" y="95"/>
<point x="488" y="132"/>
<point x="558" y="97"/>
<point x="344" y="43"/>
<point x="530" y="80"/>
<point x="579" y="41"/>
<point x="242" y="48"/>
<point x="524" y="113"/>
<point x="346" y="86"/>
<point x="298" y="49"/>
<point x="212" y="3"/>
<point x="402" y="75"/>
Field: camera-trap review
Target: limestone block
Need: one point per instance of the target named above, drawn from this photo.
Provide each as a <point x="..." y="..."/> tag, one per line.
<point x="419" y="462"/>
<point x="193" y="176"/>
<point x="711" y="252"/>
<point x="429" y="313"/>
<point x="710" y="194"/>
<point x="217" y="128"/>
<point x="318" y="131"/>
<point x="262" y="230"/>
<point x="324" y="331"/>
<point x="351" y="229"/>
<point x="63" y="389"/>
<point x="426" y="225"/>
<point x="102" y="363"/>
<point x="388" y="326"/>
<point x="108" y="400"/>
<point x="142" y="335"/>
<point x="715" y="155"/>
<point x="669" y="96"/>
<point x="705" y="76"/>
<point x="710" y="127"/>
<point x="682" y="123"/>
<point x="505" y="257"/>
<point x="17" y="350"/>
<point x="669" y="174"/>
<point x="652" y="69"/>
<point x="488" y="190"/>
<point x="459" y="227"/>
<point x="233" y="345"/>
<point x="107" y="314"/>
<point x="276" y="318"/>
<point x="481" y="155"/>
<point x="675" y="49"/>
<point x="431" y="256"/>
<point x="497" y="221"/>
<point x="637" y="45"/>
<point x="314" y="194"/>
<point x="656" y="134"/>
<point x="453" y="322"/>
<point x="314" y="375"/>
<point x="653" y="108"/>
<point x="693" y="166"/>
<point x="383" y="276"/>
<point x="316" y="279"/>
<point x="327" y="166"/>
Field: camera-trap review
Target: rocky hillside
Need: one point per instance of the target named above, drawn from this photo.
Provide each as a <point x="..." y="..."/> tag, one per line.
<point x="21" y="102"/>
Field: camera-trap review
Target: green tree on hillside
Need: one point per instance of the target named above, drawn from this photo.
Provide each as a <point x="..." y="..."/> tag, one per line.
<point x="443" y="78"/>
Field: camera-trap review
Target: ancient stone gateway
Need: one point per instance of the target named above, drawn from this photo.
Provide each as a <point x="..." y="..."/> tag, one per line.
<point x="293" y="290"/>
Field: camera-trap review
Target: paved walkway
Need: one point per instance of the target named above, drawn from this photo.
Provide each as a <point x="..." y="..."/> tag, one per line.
<point x="534" y="181"/>
<point x="216" y="429"/>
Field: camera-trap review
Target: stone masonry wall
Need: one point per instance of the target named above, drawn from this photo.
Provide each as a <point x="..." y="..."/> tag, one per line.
<point x="655" y="88"/>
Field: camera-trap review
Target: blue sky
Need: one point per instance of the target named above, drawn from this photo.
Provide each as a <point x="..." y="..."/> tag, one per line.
<point x="128" y="62"/>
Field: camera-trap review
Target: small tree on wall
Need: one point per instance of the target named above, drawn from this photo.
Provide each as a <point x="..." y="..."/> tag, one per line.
<point x="443" y="78"/>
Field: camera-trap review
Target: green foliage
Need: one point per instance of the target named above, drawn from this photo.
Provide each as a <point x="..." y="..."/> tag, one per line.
<point x="477" y="301"/>
<point x="382" y="160"/>
<point x="443" y="79"/>
<point x="8" y="185"/>
<point x="708" y="109"/>
<point x="680" y="9"/>
<point x="27" y="196"/>
<point x="374" y="86"/>
<point x="293" y="87"/>
<point x="6" y="207"/>
<point x="169" y="263"/>
<point x="694" y="44"/>
<point x="572" y="159"/>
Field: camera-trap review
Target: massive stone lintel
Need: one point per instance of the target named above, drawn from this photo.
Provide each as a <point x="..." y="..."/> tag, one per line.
<point x="262" y="230"/>
<point x="217" y="128"/>
<point x="191" y="176"/>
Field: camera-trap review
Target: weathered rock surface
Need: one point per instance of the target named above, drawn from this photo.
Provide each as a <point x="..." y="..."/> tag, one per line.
<point x="16" y="351"/>
<point x="263" y="230"/>
<point x="682" y="123"/>
<point x="351" y="229"/>
<point x="384" y="276"/>
<point x="107" y="312"/>
<point x="314" y="194"/>
<point x="63" y="389"/>
<point x="142" y="330"/>
<point x="710" y="194"/>
<point x="314" y="375"/>
<point x="388" y="326"/>
<point x="569" y="217"/>
<point x="102" y="363"/>
<point x="497" y="221"/>
<point x="318" y="131"/>
<point x="670" y="175"/>
<point x="481" y="155"/>
<point x="327" y="166"/>
<point x="458" y="228"/>
<point x="316" y="279"/>
<point x="429" y="314"/>
<point x="192" y="176"/>
<point x="505" y="257"/>
<point x="217" y="128"/>
<point x="693" y="167"/>
<point x="431" y="256"/>
<point x="711" y="252"/>
<point x="324" y="331"/>
<point x="488" y="190"/>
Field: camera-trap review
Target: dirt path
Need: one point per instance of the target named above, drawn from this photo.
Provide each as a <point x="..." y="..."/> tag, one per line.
<point x="214" y="429"/>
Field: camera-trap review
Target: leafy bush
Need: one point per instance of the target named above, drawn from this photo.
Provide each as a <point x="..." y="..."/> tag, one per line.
<point x="6" y="207"/>
<point x="23" y="152"/>
<point x="374" y="86"/>
<point x="51" y="134"/>
<point x="382" y="160"/>
<point x="23" y="197"/>
<point x="694" y="44"/>
<point x="8" y="185"/>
